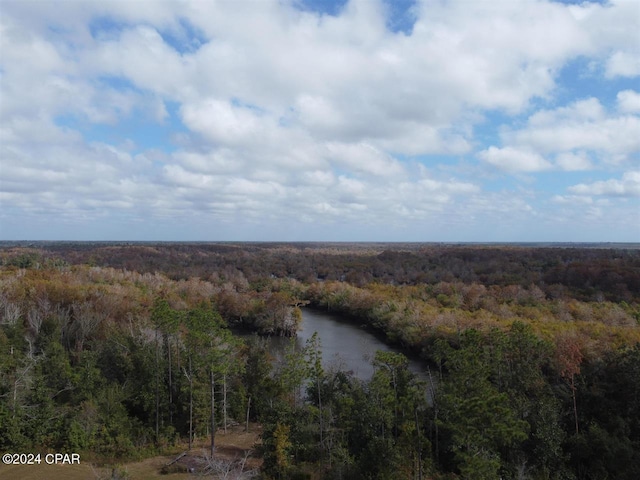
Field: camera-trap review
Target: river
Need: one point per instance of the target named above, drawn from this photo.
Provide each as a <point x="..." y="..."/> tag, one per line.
<point x="344" y="344"/>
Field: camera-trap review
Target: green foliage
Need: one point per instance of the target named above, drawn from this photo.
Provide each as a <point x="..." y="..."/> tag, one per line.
<point x="608" y="445"/>
<point x="77" y="438"/>
<point x="24" y="260"/>
<point x="477" y="416"/>
<point x="260" y="386"/>
<point x="292" y="373"/>
<point x="12" y="435"/>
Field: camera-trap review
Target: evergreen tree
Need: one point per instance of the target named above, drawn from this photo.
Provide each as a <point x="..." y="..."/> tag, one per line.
<point x="478" y="419"/>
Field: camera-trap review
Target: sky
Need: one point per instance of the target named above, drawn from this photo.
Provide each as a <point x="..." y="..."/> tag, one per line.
<point x="320" y="120"/>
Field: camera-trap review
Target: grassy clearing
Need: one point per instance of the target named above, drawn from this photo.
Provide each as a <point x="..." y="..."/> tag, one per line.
<point x="46" y="472"/>
<point x="232" y="445"/>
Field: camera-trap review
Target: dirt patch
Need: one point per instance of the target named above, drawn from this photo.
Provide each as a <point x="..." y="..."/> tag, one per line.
<point x="234" y="453"/>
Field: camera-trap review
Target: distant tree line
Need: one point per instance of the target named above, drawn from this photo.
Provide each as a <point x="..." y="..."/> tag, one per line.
<point x="579" y="273"/>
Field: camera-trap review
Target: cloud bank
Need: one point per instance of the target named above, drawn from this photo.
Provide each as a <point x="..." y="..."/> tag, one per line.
<point x="276" y="119"/>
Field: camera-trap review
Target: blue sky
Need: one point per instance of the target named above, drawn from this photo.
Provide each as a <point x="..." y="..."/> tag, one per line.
<point x="294" y="120"/>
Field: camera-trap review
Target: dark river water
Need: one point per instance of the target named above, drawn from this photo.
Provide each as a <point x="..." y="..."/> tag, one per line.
<point x="344" y="344"/>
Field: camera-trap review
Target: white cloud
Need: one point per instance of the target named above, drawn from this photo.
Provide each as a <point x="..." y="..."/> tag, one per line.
<point x="572" y="199"/>
<point x="623" y="64"/>
<point x="628" y="186"/>
<point x="628" y="101"/>
<point x="224" y="123"/>
<point x="363" y="158"/>
<point x="283" y="112"/>
<point x="451" y="61"/>
<point x="583" y="126"/>
<point x="140" y="55"/>
<point x="571" y="162"/>
<point x="513" y="160"/>
<point x="581" y="110"/>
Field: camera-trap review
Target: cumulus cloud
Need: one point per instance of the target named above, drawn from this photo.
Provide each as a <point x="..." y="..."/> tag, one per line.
<point x="575" y="134"/>
<point x="513" y="160"/>
<point x="571" y="162"/>
<point x="224" y="123"/>
<point x="627" y="186"/>
<point x="262" y="110"/>
<point x="629" y="101"/>
<point x="623" y="64"/>
<point x="363" y="158"/>
<point x="572" y="200"/>
<point x="582" y="125"/>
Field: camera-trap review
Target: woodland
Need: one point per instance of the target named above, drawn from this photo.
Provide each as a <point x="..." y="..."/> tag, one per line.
<point x="122" y="350"/>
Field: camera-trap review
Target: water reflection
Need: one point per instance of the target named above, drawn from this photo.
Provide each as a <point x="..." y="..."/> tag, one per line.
<point x="344" y="345"/>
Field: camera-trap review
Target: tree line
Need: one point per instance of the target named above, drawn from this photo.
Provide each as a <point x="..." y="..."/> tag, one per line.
<point x="571" y="272"/>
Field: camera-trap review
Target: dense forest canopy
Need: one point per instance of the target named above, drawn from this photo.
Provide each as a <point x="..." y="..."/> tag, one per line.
<point x="587" y="272"/>
<point x="120" y="350"/>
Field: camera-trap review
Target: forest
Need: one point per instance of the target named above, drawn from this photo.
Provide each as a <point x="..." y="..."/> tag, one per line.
<point x="123" y="351"/>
